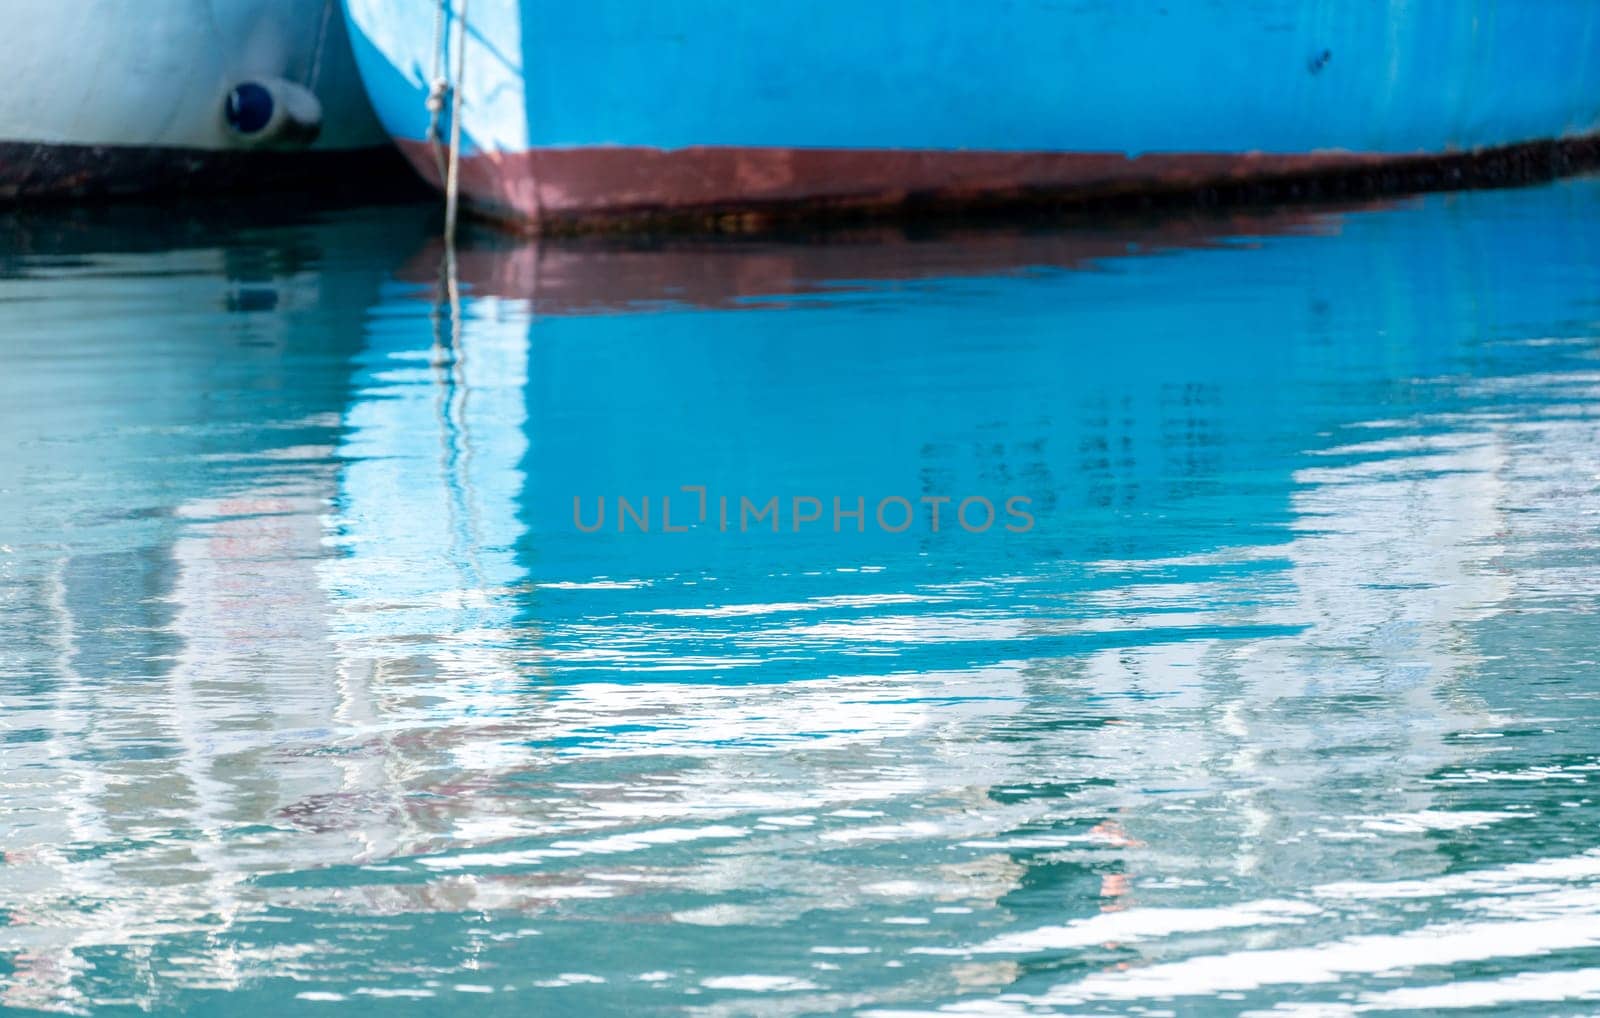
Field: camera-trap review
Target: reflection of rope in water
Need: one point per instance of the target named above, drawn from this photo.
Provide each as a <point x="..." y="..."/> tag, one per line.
<point x="449" y="351"/>
<point x="457" y="452"/>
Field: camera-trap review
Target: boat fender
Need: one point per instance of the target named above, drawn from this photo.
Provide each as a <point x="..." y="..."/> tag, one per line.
<point x="272" y="113"/>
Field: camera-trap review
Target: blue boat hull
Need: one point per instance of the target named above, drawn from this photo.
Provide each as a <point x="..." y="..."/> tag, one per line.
<point x="621" y="108"/>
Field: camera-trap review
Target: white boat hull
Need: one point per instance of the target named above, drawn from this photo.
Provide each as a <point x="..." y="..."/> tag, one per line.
<point x="106" y="96"/>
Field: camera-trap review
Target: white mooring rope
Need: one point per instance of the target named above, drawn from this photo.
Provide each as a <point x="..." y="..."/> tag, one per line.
<point x="438" y="88"/>
<point x="452" y="180"/>
<point x="321" y="46"/>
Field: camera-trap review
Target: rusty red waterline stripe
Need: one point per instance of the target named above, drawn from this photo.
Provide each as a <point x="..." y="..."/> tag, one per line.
<point x="597" y="188"/>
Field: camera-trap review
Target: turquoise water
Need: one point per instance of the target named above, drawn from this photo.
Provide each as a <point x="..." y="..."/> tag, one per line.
<point x="316" y="698"/>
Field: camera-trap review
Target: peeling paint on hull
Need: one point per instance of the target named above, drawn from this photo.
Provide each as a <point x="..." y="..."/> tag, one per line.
<point x="688" y="111"/>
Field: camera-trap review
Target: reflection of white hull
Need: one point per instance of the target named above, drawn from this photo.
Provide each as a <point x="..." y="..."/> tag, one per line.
<point x="130" y="97"/>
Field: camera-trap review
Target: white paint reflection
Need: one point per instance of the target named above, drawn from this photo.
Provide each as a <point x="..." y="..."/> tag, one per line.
<point x="1395" y="566"/>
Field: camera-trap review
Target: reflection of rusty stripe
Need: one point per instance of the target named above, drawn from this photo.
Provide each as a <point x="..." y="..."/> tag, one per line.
<point x="36" y="170"/>
<point x="616" y="272"/>
<point x="607" y="187"/>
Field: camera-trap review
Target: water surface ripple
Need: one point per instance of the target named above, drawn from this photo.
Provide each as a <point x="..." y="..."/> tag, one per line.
<point x="315" y="700"/>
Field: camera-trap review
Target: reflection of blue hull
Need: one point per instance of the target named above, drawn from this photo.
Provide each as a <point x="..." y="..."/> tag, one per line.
<point x="1158" y="439"/>
<point x="630" y="108"/>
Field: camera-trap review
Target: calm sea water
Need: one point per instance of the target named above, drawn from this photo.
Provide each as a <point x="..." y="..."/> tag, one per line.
<point x="1276" y="693"/>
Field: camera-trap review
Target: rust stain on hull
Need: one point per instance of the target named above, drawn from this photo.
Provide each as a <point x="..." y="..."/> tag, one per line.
<point x="742" y="189"/>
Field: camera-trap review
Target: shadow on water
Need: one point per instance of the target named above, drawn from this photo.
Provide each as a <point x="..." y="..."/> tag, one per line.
<point x="316" y="687"/>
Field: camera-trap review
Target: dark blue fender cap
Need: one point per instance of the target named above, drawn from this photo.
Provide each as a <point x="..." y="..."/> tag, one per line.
<point x="249" y="108"/>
